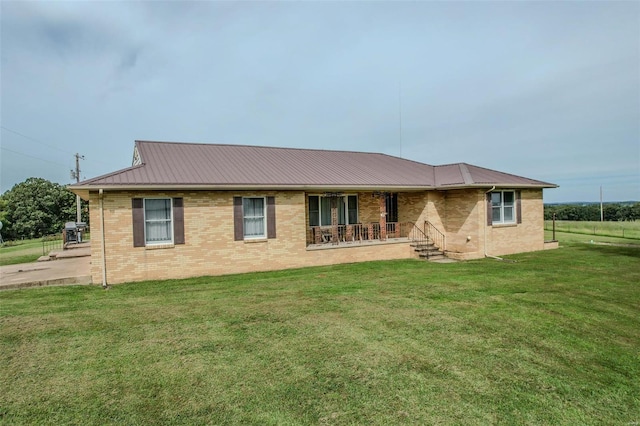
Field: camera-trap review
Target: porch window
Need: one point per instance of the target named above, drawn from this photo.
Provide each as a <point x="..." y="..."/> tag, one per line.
<point x="157" y="221"/>
<point x="253" y="214"/>
<point x="391" y="201"/>
<point x="503" y="207"/>
<point x="320" y="210"/>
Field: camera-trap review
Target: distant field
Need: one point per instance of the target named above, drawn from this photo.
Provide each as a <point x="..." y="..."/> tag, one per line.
<point x="607" y="229"/>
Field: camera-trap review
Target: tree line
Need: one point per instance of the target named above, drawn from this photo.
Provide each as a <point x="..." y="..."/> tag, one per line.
<point x="35" y="208"/>
<point x="591" y="212"/>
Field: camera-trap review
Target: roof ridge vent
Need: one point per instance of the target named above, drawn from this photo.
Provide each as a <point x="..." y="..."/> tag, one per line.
<point x="466" y="175"/>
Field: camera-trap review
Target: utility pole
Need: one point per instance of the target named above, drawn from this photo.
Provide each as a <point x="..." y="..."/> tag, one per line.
<point x="601" y="209"/>
<point x="75" y="174"/>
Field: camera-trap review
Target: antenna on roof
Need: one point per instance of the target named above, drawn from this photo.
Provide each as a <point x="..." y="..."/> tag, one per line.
<point x="400" y="115"/>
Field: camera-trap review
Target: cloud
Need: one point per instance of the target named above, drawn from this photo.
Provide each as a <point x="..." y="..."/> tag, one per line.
<point x="546" y="90"/>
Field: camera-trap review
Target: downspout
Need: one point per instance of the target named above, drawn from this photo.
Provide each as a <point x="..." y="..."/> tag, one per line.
<point x="486" y="214"/>
<point x="102" y="243"/>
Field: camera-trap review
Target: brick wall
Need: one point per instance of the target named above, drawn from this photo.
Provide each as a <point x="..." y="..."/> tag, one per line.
<point x="465" y="223"/>
<point x="526" y="236"/>
<point x="210" y="248"/>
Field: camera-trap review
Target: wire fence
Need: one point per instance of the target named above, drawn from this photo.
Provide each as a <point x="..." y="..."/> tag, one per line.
<point x="629" y="230"/>
<point x="51" y="242"/>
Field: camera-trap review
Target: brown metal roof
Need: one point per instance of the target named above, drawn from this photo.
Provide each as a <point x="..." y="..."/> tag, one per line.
<point x="191" y="165"/>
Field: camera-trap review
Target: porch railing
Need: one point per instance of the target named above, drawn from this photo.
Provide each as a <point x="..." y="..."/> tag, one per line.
<point x="357" y="233"/>
<point x="363" y="232"/>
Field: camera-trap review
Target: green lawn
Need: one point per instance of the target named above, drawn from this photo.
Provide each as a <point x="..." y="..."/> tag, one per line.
<point x="553" y="338"/>
<point x="25" y="251"/>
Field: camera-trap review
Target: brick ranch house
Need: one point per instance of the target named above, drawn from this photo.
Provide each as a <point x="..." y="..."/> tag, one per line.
<point x="185" y="209"/>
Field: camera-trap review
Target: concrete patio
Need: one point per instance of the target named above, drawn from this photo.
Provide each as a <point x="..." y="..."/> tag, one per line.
<point x="64" y="267"/>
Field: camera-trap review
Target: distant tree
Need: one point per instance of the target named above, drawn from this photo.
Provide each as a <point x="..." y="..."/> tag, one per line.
<point x="36" y="207"/>
<point x="591" y="212"/>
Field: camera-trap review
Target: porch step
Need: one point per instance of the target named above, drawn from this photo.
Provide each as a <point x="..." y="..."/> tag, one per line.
<point x="435" y="257"/>
<point x="428" y="251"/>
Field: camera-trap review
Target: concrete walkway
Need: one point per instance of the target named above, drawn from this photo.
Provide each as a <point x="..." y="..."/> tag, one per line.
<point x="71" y="266"/>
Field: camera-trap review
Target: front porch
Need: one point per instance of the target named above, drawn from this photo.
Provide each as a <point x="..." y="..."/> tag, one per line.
<point x="337" y="220"/>
<point x="426" y="241"/>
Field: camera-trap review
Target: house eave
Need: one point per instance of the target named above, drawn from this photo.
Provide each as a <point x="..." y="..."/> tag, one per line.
<point x="84" y="190"/>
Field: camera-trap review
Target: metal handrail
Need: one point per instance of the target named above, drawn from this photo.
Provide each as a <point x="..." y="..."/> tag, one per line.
<point x="417" y="235"/>
<point x="435" y="235"/>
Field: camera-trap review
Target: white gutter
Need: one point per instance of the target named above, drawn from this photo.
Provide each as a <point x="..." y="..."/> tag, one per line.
<point x="486" y="214"/>
<point x="102" y="244"/>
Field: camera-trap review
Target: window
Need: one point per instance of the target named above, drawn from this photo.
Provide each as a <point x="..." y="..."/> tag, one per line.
<point x="253" y="214"/>
<point x="254" y="218"/>
<point x="503" y="207"/>
<point x="314" y="211"/>
<point x="391" y="201"/>
<point x="320" y="210"/>
<point x="157" y="221"/>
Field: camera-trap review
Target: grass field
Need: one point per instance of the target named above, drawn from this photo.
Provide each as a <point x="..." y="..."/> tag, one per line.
<point x="608" y="229"/>
<point x="552" y="338"/>
<point x="25" y="251"/>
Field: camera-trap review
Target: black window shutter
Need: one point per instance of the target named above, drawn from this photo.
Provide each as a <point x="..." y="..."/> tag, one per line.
<point x="238" y="219"/>
<point x="137" y="208"/>
<point x="271" y="217"/>
<point x="178" y="221"/>
<point x="518" y="207"/>
<point x="489" y="210"/>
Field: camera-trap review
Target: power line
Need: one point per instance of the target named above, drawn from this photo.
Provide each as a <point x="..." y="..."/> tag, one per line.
<point x="43" y="143"/>
<point x="34" y="139"/>
<point x="32" y="156"/>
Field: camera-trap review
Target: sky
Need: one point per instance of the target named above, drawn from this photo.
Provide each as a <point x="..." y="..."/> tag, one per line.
<point x="546" y="90"/>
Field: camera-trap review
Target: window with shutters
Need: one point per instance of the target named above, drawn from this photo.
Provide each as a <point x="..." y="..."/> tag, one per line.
<point x="503" y="207"/>
<point x="254" y="213"/>
<point x="158" y="221"/>
<point x="254" y="218"/>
